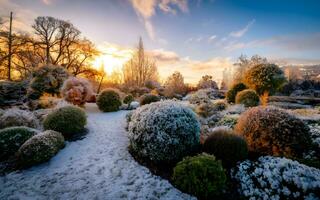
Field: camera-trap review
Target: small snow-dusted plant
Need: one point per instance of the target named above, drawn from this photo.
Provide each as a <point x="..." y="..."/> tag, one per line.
<point x="67" y="120"/>
<point x="205" y="109"/>
<point x="148" y="98"/>
<point x="17" y="117"/>
<point x="228" y="121"/>
<point x="109" y="100"/>
<point x="40" y="148"/>
<point x="272" y="131"/>
<point x="220" y="105"/>
<point x="76" y="91"/>
<point x="248" y="97"/>
<point x="232" y="93"/>
<point x="226" y="146"/>
<point x="201" y="176"/>
<point x="12" y="138"/>
<point x="277" y="178"/>
<point x="163" y="131"/>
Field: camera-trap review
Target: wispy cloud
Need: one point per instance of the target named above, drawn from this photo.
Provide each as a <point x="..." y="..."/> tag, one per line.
<point x="212" y="37"/>
<point x="241" y="32"/>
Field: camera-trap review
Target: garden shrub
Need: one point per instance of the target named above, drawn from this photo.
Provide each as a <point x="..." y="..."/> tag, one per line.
<point x="12" y="92"/>
<point x="277" y="178"/>
<point x="228" y="121"/>
<point x="272" y="131"/>
<point x="163" y="131"/>
<point x="12" y="138"/>
<point x="232" y="93"/>
<point x="76" y="91"/>
<point x="248" y="97"/>
<point x="109" y="100"/>
<point x="40" y="148"/>
<point x="220" y="105"/>
<point x="67" y="120"/>
<point x="128" y="99"/>
<point x="201" y="176"/>
<point x="17" y="117"/>
<point x="148" y="98"/>
<point x="205" y="109"/>
<point x="226" y="146"/>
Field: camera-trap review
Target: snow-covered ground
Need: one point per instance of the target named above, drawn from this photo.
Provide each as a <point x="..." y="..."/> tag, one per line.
<point x="97" y="167"/>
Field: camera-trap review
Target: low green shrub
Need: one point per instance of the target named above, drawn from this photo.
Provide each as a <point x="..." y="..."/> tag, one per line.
<point x="148" y="98"/>
<point x="201" y="176"/>
<point x="248" y="97"/>
<point x="128" y="99"/>
<point x="109" y="100"/>
<point x="232" y="93"/>
<point x="12" y="138"/>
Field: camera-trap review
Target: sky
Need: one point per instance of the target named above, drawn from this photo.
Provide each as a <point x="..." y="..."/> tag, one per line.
<point x="195" y="37"/>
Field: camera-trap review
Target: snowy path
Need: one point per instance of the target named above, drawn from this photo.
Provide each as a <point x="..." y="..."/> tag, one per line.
<point x="97" y="167"/>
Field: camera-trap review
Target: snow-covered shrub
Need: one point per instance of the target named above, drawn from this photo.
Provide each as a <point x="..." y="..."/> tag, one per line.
<point x="207" y="82"/>
<point x="226" y="146"/>
<point x="109" y="100"/>
<point x="67" y="120"/>
<point x="12" y="138"/>
<point x="163" y="131"/>
<point x="148" y="98"/>
<point x="277" y="178"/>
<point x="315" y="134"/>
<point x="248" y="98"/>
<point x="134" y="105"/>
<point x="40" y="148"/>
<point x="232" y="93"/>
<point x="205" y="109"/>
<point x="201" y="176"/>
<point x="272" y="131"/>
<point x="17" y="117"/>
<point x="228" y="121"/>
<point x="42" y="113"/>
<point x="204" y="96"/>
<point x="235" y="109"/>
<point x="310" y="116"/>
<point x="76" y="91"/>
<point x="128" y="99"/>
<point x="220" y="105"/>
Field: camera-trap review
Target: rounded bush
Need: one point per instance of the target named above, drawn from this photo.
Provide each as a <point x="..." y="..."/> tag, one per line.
<point x="201" y="176"/>
<point x="67" y="120"/>
<point x="248" y="97"/>
<point x="232" y="93"/>
<point x="148" y="98"/>
<point x="226" y="146"/>
<point x="163" y="131"/>
<point x="40" y="148"/>
<point x="17" y="117"/>
<point x="128" y="99"/>
<point x="272" y="131"/>
<point x="109" y="100"/>
<point x="76" y="91"/>
<point x="220" y="105"/>
<point x="205" y="109"/>
<point x="12" y="138"/>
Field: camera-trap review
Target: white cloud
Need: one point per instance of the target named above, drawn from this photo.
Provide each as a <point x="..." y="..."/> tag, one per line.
<point x="242" y="31"/>
<point x="211" y="38"/>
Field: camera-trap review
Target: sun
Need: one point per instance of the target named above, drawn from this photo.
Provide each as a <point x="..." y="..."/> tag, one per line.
<point x="112" y="58"/>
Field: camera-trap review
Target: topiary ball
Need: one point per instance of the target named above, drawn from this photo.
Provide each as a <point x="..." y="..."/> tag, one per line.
<point x="272" y="131"/>
<point x="12" y="138"/>
<point x="201" y="176"/>
<point x="40" y="148"/>
<point x="232" y="93"/>
<point x="226" y="146"/>
<point x="163" y="131"/>
<point x="109" y="100"/>
<point x="128" y="99"/>
<point x="148" y="98"/>
<point x="17" y="117"/>
<point x="67" y="120"/>
<point x="248" y="97"/>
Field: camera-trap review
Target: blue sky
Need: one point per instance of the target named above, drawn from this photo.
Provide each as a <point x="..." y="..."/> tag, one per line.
<point x="192" y="31"/>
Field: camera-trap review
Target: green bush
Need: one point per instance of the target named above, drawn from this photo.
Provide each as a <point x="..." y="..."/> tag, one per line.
<point x="226" y="146"/>
<point x="12" y="138"/>
<point x="232" y="93"/>
<point x="67" y="120"/>
<point x="148" y="98"/>
<point x="248" y="97"/>
<point x="109" y="100"/>
<point x="201" y="176"/>
<point x="272" y="131"/>
<point x="40" y="148"/>
<point x="128" y="99"/>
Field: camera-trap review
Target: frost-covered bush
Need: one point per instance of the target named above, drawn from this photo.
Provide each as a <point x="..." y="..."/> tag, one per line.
<point x="207" y="82"/>
<point x="204" y="96"/>
<point x="148" y="98"/>
<point x="226" y="146"/>
<point x="40" y="148"/>
<point x="220" y="105"/>
<point x="272" y="131"/>
<point x="205" y="109"/>
<point x="235" y="109"/>
<point x="12" y="138"/>
<point x="17" y="117"/>
<point x="228" y="121"/>
<point x="163" y="131"/>
<point x="277" y="178"/>
<point x="76" y="91"/>
<point x="67" y="120"/>
<point x="109" y="100"/>
<point x="310" y="115"/>
<point x="134" y="105"/>
<point x="128" y="99"/>
<point x="248" y="98"/>
<point x="232" y="93"/>
<point x="201" y="176"/>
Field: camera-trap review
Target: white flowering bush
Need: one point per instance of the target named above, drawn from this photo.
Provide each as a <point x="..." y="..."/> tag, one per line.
<point x="17" y="117"/>
<point x="277" y="178"/>
<point x="163" y="131"/>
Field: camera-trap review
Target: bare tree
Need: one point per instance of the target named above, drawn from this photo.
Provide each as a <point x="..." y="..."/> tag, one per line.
<point x="175" y="85"/>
